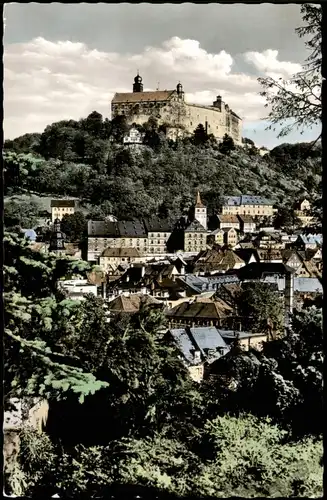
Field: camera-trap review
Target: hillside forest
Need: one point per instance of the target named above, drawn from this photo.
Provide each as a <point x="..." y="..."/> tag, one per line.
<point x="87" y="160"/>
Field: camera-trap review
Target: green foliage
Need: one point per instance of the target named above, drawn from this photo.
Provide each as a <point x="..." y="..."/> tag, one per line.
<point x="149" y="387"/>
<point x="284" y="218"/>
<point x="242" y="456"/>
<point x="23" y="214"/>
<point x="246" y="140"/>
<point x="283" y="381"/>
<point x="260" y="306"/>
<point x="35" y="316"/>
<point x="74" y="226"/>
<point x="297" y="103"/>
<point x="159" y="178"/>
<point x="200" y="136"/>
<point x="227" y="145"/>
<point x="251" y="458"/>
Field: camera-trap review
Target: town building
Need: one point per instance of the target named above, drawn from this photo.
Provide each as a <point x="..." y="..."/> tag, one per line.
<point x="195" y="237"/>
<point x="246" y="340"/>
<point x="111" y="258"/>
<point x="201" y="312"/>
<point x="307" y="242"/>
<point x="77" y="289"/>
<point x="170" y="109"/>
<point x="130" y="304"/>
<point x="148" y="236"/>
<point x="227" y="221"/>
<point x="268" y="240"/>
<point x="158" y="233"/>
<point x="247" y="224"/>
<point x="198" y="346"/>
<point x="133" y="137"/>
<point x="216" y="260"/>
<point x="59" y="208"/>
<point x="57" y="240"/>
<point x="216" y="237"/>
<point x="291" y="258"/>
<point x="230" y="237"/>
<point x="255" y="206"/>
<point x="302" y="211"/>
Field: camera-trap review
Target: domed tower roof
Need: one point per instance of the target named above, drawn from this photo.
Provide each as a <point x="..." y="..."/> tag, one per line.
<point x="138" y="85"/>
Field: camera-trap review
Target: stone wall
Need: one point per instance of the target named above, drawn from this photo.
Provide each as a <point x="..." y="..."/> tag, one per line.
<point x="178" y="113"/>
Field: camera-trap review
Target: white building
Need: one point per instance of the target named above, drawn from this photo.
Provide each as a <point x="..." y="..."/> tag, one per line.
<point x="77" y="289"/>
<point x="133" y="137"/>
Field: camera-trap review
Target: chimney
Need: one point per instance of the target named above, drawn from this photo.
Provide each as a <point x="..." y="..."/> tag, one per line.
<point x="142" y="271"/>
<point x="183" y="270"/>
<point x="289" y="291"/>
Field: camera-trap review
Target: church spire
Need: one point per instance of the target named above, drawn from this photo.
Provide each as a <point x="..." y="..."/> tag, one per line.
<point x="199" y="203"/>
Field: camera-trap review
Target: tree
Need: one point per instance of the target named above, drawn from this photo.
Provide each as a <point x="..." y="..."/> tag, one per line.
<point x="227" y="145"/>
<point x="93" y="124"/>
<point x="296" y="103"/>
<point x="21" y="213"/>
<point x="266" y="464"/>
<point x="119" y="128"/>
<point x="254" y="458"/>
<point x="246" y="140"/>
<point x="101" y="211"/>
<point x="26" y="143"/>
<point x="283" y="381"/>
<point x="74" y="226"/>
<point x="35" y="314"/>
<point x="285" y="218"/>
<point x="260" y="307"/>
<point x="19" y="169"/>
<point x="200" y="135"/>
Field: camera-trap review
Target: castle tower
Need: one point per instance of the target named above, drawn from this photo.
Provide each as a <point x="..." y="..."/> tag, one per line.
<point x="200" y="212"/>
<point x="138" y="85"/>
<point x="217" y="103"/>
<point x="180" y="92"/>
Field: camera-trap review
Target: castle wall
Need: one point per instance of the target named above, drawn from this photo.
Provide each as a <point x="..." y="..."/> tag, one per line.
<point x="177" y="112"/>
<point x="219" y="122"/>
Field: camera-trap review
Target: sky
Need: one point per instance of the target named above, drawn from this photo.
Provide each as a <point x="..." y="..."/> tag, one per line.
<point x="63" y="61"/>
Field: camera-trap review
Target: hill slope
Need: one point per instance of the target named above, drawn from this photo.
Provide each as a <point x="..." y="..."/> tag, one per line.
<point x="86" y="160"/>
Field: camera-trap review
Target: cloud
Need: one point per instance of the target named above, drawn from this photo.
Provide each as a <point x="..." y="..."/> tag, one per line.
<point x="48" y="81"/>
<point x="267" y="63"/>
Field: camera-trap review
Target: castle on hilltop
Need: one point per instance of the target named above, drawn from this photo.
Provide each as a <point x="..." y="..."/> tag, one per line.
<point x="180" y="118"/>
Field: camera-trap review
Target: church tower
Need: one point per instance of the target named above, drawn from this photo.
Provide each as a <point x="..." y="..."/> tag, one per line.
<point x="138" y="85"/>
<point x="200" y="212"/>
<point x="57" y="240"/>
